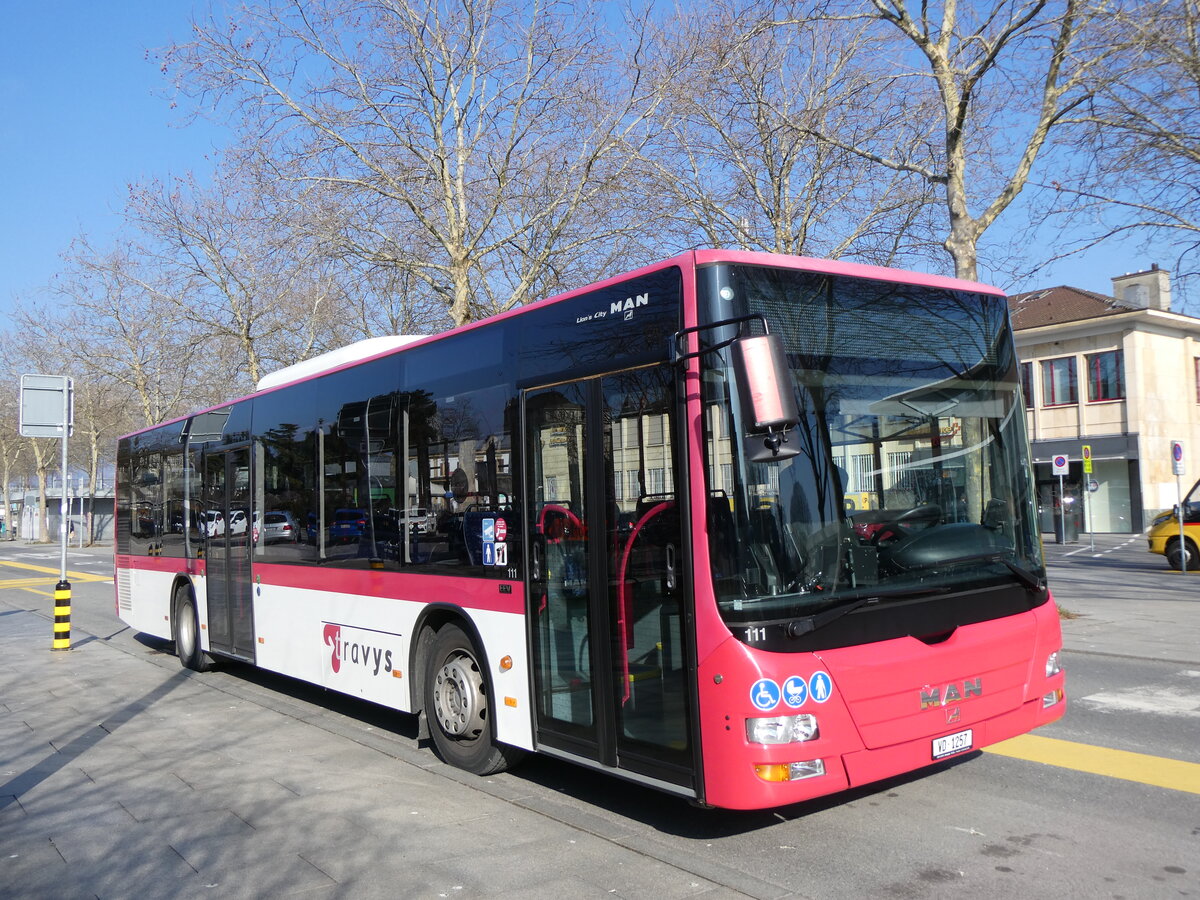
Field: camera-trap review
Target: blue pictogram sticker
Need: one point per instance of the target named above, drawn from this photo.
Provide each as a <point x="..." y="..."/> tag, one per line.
<point x="489" y="554"/>
<point x="765" y="694"/>
<point x="820" y="686"/>
<point x="489" y="530"/>
<point x="795" y="692"/>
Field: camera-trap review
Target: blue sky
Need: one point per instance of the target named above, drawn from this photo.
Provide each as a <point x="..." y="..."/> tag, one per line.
<point x="83" y="113"/>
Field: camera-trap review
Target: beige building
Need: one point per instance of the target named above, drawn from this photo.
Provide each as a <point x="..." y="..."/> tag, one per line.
<point x="1120" y="375"/>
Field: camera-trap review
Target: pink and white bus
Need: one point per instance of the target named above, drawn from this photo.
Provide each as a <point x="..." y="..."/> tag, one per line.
<point x="749" y="529"/>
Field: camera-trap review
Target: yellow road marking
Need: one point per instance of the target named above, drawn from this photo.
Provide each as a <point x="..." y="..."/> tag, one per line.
<point x="1174" y="774"/>
<point x="22" y="582"/>
<point x="25" y="582"/>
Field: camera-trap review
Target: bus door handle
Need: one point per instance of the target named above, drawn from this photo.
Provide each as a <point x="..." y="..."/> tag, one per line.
<point x="535" y="563"/>
<point x="670" y="567"/>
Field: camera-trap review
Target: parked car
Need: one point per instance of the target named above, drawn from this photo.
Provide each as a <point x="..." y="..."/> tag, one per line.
<point x="1164" y="533"/>
<point x="238" y="520"/>
<point x="421" y="521"/>
<point x="348" y="525"/>
<point x="214" y="523"/>
<point x="279" y="526"/>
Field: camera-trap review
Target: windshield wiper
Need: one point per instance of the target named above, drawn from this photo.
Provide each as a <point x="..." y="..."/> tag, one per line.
<point x="1031" y="580"/>
<point x="808" y="624"/>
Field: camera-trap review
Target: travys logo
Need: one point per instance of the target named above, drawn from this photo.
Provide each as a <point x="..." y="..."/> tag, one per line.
<point x="356" y="653"/>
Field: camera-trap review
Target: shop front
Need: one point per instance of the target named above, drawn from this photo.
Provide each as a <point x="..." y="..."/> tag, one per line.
<point x="1105" y="501"/>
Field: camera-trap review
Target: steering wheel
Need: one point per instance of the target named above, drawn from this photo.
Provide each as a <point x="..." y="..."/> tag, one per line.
<point x="904" y="524"/>
<point x="930" y="512"/>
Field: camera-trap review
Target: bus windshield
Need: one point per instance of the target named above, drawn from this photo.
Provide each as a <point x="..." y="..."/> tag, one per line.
<point x="907" y="475"/>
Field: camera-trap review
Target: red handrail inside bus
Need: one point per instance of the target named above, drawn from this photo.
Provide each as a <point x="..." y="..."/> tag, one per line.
<point x="624" y="601"/>
<point x="571" y="518"/>
<point x="563" y="511"/>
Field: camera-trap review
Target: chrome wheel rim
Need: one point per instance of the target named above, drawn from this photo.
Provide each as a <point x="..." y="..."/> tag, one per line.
<point x="458" y="697"/>
<point x="187" y="632"/>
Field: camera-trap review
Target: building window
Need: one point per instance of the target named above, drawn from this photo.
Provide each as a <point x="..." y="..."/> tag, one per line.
<point x="1058" y="381"/>
<point x="656" y="481"/>
<point x="1027" y="383"/>
<point x="1106" y="376"/>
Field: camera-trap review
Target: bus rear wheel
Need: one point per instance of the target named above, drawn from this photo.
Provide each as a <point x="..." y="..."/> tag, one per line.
<point x="458" y="707"/>
<point x="1189" y="557"/>
<point x="187" y="632"/>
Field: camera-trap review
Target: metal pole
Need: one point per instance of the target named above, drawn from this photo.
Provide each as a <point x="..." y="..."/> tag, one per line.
<point x="1087" y="499"/>
<point x="62" y="500"/>
<point x="1062" y="509"/>
<point x="62" y="590"/>
<point x="1183" y="555"/>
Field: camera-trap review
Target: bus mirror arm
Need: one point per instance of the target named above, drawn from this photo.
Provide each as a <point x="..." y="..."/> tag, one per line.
<point x="679" y="344"/>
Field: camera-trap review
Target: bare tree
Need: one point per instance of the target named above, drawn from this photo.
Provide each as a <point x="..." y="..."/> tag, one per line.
<point x="999" y="77"/>
<point x="110" y="320"/>
<point x="1143" y="131"/>
<point x="231" y="267"/>
<point x="11" y="448"/>
<point x="744" y="157"/>
<point x="469" y="133"/>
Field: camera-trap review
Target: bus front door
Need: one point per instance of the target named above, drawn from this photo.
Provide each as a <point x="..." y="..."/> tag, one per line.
<point x="229" y="532"/>
<point x="606" y="581"/>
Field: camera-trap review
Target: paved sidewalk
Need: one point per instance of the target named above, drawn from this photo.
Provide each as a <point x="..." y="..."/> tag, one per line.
<point x="113" y="784"/>
<point x="1122" y="600"/>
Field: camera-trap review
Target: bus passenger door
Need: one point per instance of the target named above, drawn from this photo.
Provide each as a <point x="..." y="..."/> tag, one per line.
<point x="229" y="529"/>
<point x="606" y="575"/>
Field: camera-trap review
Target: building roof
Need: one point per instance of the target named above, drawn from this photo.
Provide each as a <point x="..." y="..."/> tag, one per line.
<point x="1053" y="306"/>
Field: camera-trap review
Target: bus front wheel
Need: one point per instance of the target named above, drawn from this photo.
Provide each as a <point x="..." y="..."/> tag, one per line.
<point x="187" y="632"/>
<point x="457" y="706"/>
<point x="1189" y="556"/>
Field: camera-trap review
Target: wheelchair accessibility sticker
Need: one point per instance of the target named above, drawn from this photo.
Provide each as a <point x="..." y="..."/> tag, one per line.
<point x="764" y="694"/>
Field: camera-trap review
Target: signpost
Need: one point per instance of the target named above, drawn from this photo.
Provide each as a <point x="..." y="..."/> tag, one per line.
<point x="48" y="411"/>
<point x="1177" y="468"/>
<point x="1087" y="470"/>
<point x="1061" y="464"/>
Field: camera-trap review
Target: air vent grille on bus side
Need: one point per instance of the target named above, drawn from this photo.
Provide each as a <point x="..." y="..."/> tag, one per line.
<point x="124" y="590"/>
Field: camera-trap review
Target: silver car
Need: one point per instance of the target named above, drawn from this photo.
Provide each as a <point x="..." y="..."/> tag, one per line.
<point x="279" y="526"/>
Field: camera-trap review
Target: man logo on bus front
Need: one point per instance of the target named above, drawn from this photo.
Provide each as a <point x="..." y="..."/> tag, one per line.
<point x="951" y="693"/>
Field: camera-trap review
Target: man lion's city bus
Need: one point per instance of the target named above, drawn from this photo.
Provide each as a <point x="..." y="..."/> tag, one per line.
<point x="745" y="528"/>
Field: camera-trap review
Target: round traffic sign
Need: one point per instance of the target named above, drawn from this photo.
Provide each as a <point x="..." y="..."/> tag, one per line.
<point x="1177" y="450"/>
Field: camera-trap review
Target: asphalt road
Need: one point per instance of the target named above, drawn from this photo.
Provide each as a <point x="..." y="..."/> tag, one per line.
<point x="1090" y="823"/>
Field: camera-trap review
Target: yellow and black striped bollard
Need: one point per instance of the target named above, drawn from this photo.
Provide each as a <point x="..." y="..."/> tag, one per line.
<point x="62" y="616"/>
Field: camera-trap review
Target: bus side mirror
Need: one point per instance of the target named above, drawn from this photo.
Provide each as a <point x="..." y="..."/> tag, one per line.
<point x="995" y="514"/>
<point x="767" y="398"/>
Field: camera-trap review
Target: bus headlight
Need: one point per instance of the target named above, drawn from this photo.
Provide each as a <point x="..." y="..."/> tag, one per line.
<point x="782" y="729"/>
<point x="1052" y="666"/>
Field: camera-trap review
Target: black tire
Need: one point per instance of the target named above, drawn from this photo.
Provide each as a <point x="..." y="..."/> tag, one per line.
<point x="187" y="633"/>
<point x="1175" y="558"/>
<point x="458" y="706"/>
